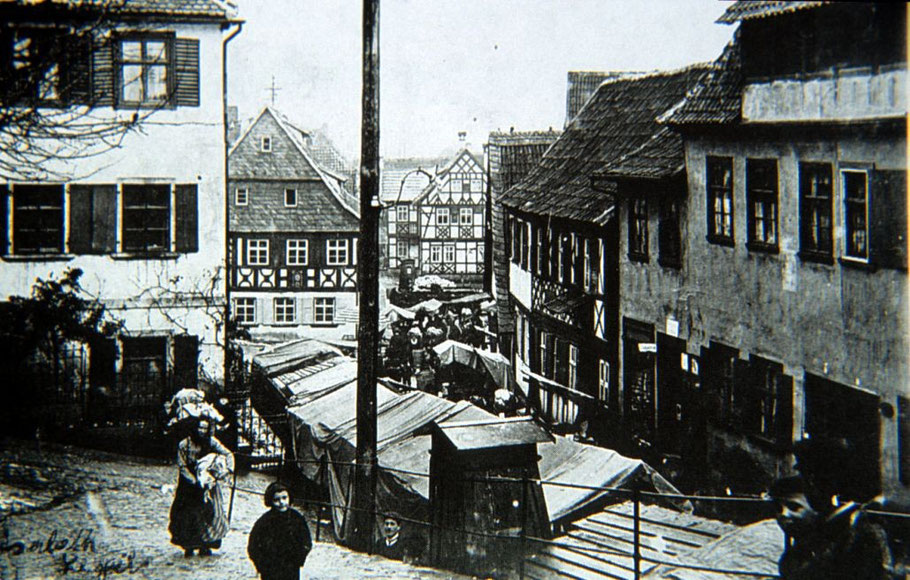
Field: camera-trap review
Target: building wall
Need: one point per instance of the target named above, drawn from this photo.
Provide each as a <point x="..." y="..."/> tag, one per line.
<point x="184" y="145"/>
<point x="845" y="323"/>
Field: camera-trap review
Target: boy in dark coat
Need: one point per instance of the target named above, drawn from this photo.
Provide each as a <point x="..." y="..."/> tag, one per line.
<point x="280" y="539"/>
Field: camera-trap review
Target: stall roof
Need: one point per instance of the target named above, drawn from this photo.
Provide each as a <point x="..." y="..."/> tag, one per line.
<point x="473" y="435"/>
<point x="292" y="355"/>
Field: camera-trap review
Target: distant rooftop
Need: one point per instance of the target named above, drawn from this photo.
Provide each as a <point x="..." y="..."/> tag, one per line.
<point x="194" y="9"/>
<point x="753" y="9"/>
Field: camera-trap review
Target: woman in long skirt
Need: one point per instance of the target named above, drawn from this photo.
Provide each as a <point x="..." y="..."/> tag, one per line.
<point x="198" y="520"/>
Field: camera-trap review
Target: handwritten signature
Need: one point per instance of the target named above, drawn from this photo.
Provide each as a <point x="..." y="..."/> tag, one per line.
<point x="103" y="565"/>
<point x="55" y="542"/>
<point x="76" y="553"/>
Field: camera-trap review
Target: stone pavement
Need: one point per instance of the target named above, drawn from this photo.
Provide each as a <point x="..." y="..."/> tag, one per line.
<point x="73" y="513"/>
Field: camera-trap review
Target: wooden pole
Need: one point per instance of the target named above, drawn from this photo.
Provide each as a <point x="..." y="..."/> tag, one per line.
<point x="363" y="501"/>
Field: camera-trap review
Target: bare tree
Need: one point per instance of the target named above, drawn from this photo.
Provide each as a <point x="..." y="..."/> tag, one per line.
<point x="51" y="90"/>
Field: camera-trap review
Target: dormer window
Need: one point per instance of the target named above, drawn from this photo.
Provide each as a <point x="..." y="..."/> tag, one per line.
<point x="265" y="145"/>
<point x="290" y="198"/>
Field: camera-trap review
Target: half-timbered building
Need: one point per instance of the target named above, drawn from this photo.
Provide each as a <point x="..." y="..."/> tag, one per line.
<point x="292" y="238"/>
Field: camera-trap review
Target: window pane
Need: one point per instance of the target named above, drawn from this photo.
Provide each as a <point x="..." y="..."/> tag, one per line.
<point x="157" y="83"/>
<point x="155" y="51"/>
<point x="132" y="83"/>
<point x="131" y="50"/>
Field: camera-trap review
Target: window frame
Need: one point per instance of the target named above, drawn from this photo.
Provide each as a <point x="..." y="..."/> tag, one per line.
<point x="246" y="304"/>
<point x="811" y="198"/>
<point x="339" y="255"/>
<point x="324" y="310"/>
<point x="258" y="247"/>
<point x="128" y="211"/>
<point x="466" y="211"/>
<point x="302" y="247"/>
<point x="284" y="310"/>
<point x="448" y="253"/>
<point x="168" y="63"/>
<point x="638" y="228"/>
<point x="292" y="202"/>
<point x="265" y="144"/>
<point x="439" y="213"/>
<point x="398" y="212"/>
<point x="765" y="196"/>
<point x="724" y="191"/>
<point x="669" y="233"/>
<point x="242" y="193"/>
<point x="436" y="253"/>
<point x="42" y="214"/>
<point x="846" y="218"/>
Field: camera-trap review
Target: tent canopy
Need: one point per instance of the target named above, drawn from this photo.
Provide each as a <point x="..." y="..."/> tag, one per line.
<point x="492" y="364"/>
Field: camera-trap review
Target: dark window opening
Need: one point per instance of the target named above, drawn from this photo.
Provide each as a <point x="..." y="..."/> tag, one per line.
<point x="669" y="236"/>
<point x="815" y="211"/>
<point x="146" y="218"/>
<point x="38" y="219"/>
<point x="761" y="204"/>
<point x="720" y="200"/>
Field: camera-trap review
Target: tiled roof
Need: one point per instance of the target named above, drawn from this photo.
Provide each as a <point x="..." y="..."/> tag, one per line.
<point x="660" y="156"/>
<point x="393" y="171"/>
<point x="751" y="9"/>
<point x="581" y="85"/>
<point x="617" y="120"/>
<point x="289" y="160"/>
<point x="440" y="176"/>
<point x="717" y="99"/>
<point x="216" y="9"/>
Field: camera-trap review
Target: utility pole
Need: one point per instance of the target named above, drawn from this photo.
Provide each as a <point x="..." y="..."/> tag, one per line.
<point x="359" y="522"/>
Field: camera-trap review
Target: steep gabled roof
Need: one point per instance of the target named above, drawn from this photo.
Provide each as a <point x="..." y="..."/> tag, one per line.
<point x="716" y="99"/>
<point x="443" y="173"/>
<point x="752" y="9"/>
<point x="519" y="152"/>
<point x="300" y="165"/>
<point x="581" y="85"/>
<point x="403" y="179"/>
<point x="183" y="9"/>
<point x="619" y="119"/>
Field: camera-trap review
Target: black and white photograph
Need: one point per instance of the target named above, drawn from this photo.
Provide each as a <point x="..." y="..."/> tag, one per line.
<point x="454" y="289"/>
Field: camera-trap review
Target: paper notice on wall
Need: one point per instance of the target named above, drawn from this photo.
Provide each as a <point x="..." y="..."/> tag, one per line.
<point x="647" y="347"/>
<point x="684" y="361"/>
<point x="673" y="327"/>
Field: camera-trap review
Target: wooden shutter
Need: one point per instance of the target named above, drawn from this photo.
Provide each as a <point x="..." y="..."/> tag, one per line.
<point x="888" y="219"/>
<point x="103" y="84"/>
<point x="783" y="418"/>
<point x="81" y="219"/>
<point x="186" y="357"/>
<point x="79" y="69"/>
<point x="104" y="219"/>
<point x="187" y="218"/>
<point x="186" y="91"/>
<point x="4" y="219"/>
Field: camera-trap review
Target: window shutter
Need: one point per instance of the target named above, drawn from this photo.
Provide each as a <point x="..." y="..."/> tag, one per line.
<point x="187" y="218"/>
<point x="79" y="69"/>
<point x="742" y="413"/>
<point x="186" y="357"/>
<point x="888" y="219"/>
<point x="4" y="219"/>
<point x="186" y="92"/>
<point x="104" y="219"/>
<point x="783" y="419"/>
<point x="103" y="73"/>
<point x="81" y="222"/>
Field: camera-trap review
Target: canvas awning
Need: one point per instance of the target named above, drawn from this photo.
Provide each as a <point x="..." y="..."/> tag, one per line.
<point x="494" y="364"/>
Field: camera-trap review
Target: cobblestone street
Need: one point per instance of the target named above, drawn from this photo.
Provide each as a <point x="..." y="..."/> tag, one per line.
<point x="83" y="514"/>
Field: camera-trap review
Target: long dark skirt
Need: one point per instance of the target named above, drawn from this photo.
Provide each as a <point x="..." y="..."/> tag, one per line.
<point x="197" y="518"/>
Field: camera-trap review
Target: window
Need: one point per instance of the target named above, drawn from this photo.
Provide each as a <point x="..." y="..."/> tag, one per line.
<point x="257" y="252"/>
<point x="242" y="196"/>
<point x="265" y="144"/>
<point x="542" y="255"/>
<point x="669" y="239"/>
<point x="436" y="254"/>
<point x="761" y="203"/>
<point x="720" y="200"/>
<point x="815" y="208"/>
<point x="466" y="216"/>
<point x="336" y="252"/>
<point x="638" y="228"/>
<point x="145" y="70"/>
<point x="442" y="216"/>
<point x="324" y="310"/>
<point x="290" y="198"/>
<point x="285" y="311"/>
<point x="448" y="253"/>
<point x="36" y="59"/>
<point x="603" y="382"/>
<point x="856" y="243"/>
<point x="245" y="310"/>
<point x="297" y="252"/>
<point x="465" y="186"/>
<point x="38" y="219"/>
<point x="146" y="218"/>
<point x="573" y="366"/>
<point x="526" y="242"/>
<point x="401" y="213"/>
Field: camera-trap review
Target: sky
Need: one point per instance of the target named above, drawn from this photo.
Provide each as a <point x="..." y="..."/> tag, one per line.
<point x="456" y="65"/>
